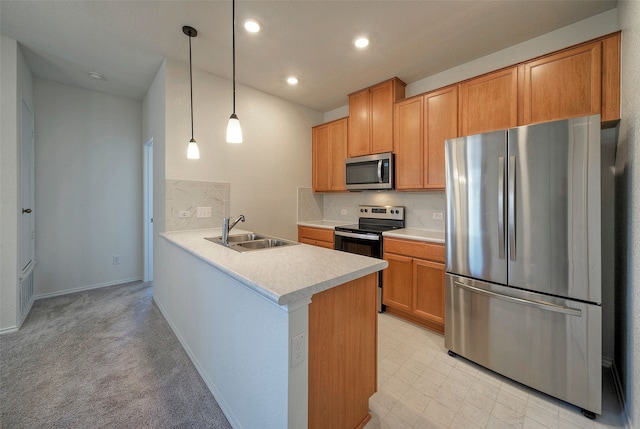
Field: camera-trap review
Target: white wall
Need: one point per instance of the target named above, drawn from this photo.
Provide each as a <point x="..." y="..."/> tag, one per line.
<point x="153" y="127"/>
<point x="88" y="183"/>
<point x="8" y="183"/>
<point x="627" y="358"/>
<point x="16" y="85"/>
<point x="264" y="171"/>
<point x="238" y="340"/>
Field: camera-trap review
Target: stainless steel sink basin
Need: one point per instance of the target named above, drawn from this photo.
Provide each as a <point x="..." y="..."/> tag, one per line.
<point x="251" y="241"/>
<point x="243" y="237"/>
<point x="264" y="243"/>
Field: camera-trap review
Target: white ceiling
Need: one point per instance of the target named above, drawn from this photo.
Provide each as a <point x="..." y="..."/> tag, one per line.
<point x="127" y="40"/>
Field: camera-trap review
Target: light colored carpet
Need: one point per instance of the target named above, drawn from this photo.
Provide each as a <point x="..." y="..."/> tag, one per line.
<point x="97" y="359"/>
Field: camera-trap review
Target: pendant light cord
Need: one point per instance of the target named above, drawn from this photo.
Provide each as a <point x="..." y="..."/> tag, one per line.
<point x="233" y="24"/>
<point x="191" y="85"/>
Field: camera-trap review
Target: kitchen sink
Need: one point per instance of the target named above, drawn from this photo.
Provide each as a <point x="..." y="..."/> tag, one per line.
<point x="264" y="243"/>
<point x="251" y="241"/>
<point x="243" y="237"/>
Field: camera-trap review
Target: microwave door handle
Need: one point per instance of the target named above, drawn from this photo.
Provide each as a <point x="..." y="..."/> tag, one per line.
<point x="379" y="171"/>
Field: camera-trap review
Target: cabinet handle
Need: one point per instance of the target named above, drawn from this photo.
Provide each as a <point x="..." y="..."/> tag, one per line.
<point x="26" y="211"/>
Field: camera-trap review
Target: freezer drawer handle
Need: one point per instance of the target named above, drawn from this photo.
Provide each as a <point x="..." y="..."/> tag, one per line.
<point x="536" y="304"/>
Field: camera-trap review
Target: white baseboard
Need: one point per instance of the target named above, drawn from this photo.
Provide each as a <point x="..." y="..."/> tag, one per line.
<point x="9" y="330"/>
<point x="83" y="288"/>
<point x="620" y="395"/>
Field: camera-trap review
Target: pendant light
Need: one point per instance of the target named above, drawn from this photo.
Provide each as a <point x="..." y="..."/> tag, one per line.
<point x="192" y="149"/>
<point x="234" y="132"/>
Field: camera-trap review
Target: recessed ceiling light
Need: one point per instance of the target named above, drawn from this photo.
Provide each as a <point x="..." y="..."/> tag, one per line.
<point x="292" y="80"/>
<point x="361" y="42"/>
<point x="96" y="76"/>
<point x="252" y="25"/>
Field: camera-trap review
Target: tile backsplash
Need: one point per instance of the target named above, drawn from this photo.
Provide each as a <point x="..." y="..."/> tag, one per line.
<point x="188" y="195"/>
<point x="423" y="209"/>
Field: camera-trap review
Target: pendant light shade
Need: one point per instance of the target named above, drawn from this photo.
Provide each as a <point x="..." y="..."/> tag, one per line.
<point x="192" y="148"/>
<point x="234" y="132"/>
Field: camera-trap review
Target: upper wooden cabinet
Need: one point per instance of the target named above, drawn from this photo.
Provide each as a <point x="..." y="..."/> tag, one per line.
<point x="489" y="102"/>
<point x="409" y="143"/>
<point x="422" y="124"/>
<point x="611" y="78"/>
<point x="441" y="123"/>
<point x="371" y="118"/>
<point x="563" y="85"/>
<point x="329" y="153"/>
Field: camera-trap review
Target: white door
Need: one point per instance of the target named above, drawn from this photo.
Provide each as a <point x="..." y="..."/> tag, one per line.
<point x="148" y="210"/>
<point x="27" y="217"/>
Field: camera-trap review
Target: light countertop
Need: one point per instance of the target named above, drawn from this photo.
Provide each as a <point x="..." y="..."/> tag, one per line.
<point x="416" y="234"/>
<point x="324" y="224"/>
<point x="283" y="274"/>
<point x="405" y="233"/>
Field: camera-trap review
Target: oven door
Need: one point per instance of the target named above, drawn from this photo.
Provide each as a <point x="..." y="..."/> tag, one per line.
<point x="361" y="244"/>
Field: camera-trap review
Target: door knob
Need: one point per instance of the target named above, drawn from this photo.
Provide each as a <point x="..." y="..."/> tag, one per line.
<point x="26" y="210"/>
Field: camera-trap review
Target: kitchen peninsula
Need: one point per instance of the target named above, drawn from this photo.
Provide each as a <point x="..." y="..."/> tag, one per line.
<point x="284" y="337"/>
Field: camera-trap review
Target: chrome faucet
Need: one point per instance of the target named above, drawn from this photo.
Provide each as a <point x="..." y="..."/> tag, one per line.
<point x="226" y="228"/>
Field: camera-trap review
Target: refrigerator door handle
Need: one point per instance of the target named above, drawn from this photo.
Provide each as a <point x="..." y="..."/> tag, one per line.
<point x="501" y="244"/>
<point x="512" y="208"/>
<point x="536" y="304"/>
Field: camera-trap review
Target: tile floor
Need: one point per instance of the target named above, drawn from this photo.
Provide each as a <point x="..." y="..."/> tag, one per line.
<point x="420" y="386"/>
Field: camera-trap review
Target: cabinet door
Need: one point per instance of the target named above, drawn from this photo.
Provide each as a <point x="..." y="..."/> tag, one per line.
<point x="382" y="99"/>
<point x="338" y="154"/>
<point x="320" y="153"/>
<point x="489" y="102"/>
<point x="359" y="125"/>
<point x="397" y="283"/>
<point x="409" y="145"/>
<point x="428" y="280"/>
<point x="563" y="85"/>
<point x="440" y="124"/>
<point x="611" y="78"/>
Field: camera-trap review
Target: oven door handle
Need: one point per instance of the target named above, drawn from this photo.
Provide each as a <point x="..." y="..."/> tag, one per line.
<point x="369" y="237"/>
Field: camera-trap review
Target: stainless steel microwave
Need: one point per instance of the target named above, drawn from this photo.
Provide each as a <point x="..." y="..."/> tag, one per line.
<point x="370" y="172"/>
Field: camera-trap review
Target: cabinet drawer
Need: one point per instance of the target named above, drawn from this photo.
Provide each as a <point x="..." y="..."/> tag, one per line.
<point x="320" y="234"/>
<point x="415" y="249"/>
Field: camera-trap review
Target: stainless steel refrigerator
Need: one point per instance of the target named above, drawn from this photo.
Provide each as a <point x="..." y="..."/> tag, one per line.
<point x="523" y="256"/>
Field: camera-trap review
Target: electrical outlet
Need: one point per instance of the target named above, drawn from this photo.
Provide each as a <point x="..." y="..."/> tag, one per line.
<point x="297" y="350"/>
<point x="204" y="212"/>
<point x="184" y="213"/>
<point x="116" y="259"/>
<point x="437" y="215"/>
<point x="343" y="211"/>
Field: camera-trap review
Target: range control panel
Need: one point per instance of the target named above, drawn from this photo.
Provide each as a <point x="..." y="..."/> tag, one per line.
<point x="381" y="212"/>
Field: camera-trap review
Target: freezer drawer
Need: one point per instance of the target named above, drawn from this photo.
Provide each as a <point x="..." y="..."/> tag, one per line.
<point x="550" y="344"/>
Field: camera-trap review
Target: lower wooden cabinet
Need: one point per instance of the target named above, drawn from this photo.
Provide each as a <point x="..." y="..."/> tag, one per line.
<point x="413" y="283"/>
<point x="343" y="363"/>
<point x="316" y="236"/>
